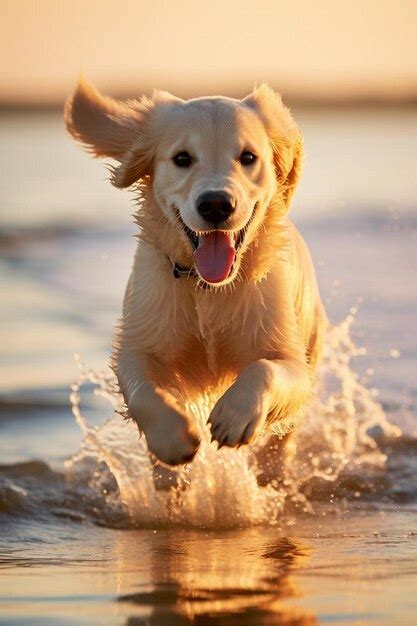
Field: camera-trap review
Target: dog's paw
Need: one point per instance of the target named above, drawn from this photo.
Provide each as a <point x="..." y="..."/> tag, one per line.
<point x="171" y="438"/>
<point x="238" y="416"/>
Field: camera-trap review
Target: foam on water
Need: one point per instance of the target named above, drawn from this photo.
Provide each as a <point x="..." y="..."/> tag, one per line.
<point x="332" y="455"/>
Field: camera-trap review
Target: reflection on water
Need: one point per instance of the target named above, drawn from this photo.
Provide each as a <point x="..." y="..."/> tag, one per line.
<point x="355" y="568"/>
<point x="238" y="579"/>
<point x="154" y="577"/>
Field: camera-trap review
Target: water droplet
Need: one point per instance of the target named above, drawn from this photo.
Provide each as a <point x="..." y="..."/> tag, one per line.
<point x="394" y="353"/>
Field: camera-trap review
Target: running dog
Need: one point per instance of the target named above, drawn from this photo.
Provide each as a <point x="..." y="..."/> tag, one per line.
<point x="222" y="301"/>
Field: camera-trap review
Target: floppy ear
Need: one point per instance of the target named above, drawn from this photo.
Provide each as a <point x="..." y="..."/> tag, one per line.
<point x="285" y="137"/>
<point x="121" y="130"/>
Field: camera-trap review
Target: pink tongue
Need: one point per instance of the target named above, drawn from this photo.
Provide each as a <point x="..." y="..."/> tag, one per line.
<point x="215" y="255"/>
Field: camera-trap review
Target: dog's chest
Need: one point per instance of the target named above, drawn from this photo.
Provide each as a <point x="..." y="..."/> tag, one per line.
<point x="219" y="332"/>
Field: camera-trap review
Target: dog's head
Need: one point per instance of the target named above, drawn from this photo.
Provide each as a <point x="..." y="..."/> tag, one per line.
<point x="214" y="165"/>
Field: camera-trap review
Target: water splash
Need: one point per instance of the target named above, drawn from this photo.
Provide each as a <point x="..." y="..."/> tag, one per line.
<point x="334" y="454"/>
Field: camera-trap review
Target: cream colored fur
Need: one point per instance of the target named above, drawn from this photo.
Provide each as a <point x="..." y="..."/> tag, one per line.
<point x="251" y="343"/>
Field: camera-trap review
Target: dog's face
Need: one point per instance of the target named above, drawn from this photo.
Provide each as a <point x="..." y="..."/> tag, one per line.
<point x="214" y="164"/>
<point x="213" y="173"/>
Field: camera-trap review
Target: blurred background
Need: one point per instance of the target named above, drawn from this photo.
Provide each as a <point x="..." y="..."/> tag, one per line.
<point x="347" y="69"/>
<point x="357" y="50"/>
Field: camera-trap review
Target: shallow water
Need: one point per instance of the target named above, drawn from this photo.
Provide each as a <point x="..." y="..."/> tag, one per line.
<point x="359" y="570"/>
<point x="85" y="537"/>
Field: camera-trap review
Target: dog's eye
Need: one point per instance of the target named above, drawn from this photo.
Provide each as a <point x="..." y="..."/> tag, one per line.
<point x="247" y="157"/>
<point x="182" y="159"/>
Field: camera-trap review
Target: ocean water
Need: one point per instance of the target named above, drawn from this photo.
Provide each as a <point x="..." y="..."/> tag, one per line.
<point x="86" y="534"/>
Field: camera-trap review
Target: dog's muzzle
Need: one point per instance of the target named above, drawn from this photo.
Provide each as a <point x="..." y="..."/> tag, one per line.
<point x="215" y="206"/>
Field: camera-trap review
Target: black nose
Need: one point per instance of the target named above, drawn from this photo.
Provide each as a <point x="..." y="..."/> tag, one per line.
<point x="215" y="206"/>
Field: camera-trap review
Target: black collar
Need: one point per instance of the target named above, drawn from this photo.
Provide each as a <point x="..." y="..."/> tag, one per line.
<point x="179" y="271"/>
<point x="188" y="272"/>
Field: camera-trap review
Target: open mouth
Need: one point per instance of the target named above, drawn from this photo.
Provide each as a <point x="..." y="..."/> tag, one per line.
<point x="215" y="251"/>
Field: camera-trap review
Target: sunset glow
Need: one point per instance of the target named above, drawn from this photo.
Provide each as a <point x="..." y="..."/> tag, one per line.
<point x="309" y="50"/>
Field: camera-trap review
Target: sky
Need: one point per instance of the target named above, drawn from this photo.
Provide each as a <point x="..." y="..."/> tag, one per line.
<point x="308" y="49"/>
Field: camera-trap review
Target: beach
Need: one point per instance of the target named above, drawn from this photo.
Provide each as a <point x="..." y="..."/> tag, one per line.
<point x="85" y="538"/>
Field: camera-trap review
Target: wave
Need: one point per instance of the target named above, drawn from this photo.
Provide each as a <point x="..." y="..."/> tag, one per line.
<point x="12" y="237"/>
<point x="345" y="454"/>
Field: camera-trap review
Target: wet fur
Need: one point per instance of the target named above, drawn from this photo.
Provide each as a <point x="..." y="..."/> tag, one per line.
<point x="252" y="345"/>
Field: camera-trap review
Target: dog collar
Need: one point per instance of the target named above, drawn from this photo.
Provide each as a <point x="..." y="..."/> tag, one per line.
<point x="179" y="271"/>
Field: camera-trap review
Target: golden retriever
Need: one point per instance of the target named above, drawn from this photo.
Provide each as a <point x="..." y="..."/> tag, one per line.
<point x="222" y="302"/>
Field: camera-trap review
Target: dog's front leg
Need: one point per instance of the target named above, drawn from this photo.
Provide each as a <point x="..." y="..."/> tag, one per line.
<point x="266" y="389"/>
<point x="169" y="432"/>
